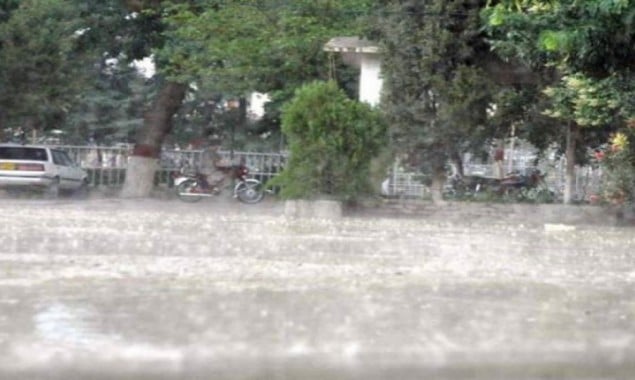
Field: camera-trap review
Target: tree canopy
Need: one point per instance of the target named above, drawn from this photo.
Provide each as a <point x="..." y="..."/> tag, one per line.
<point x="268" y="46"/>
<point x="436" y="96"/>
<point x="64" y="65"/>
<point x="588" y="46"/>
<point x="43" y="60"/>
<point x="256" y="45"/>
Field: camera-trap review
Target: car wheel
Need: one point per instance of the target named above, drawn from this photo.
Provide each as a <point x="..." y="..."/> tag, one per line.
<point x="82" y="191"/>
<point x="53" y="190"/>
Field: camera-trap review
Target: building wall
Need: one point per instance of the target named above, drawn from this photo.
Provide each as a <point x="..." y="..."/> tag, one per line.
<point x="370" y="82"/>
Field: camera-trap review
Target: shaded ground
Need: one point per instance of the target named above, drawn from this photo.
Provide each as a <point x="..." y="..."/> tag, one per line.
<point x="159" y="289"/>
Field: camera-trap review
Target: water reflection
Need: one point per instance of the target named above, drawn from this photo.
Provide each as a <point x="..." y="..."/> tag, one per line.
<point x="70" y="325"/>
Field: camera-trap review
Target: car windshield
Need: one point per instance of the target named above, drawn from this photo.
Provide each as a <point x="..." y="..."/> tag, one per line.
<point x="23" y="153"/>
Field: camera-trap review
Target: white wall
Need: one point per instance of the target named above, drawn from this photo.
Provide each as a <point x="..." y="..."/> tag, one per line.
<point x="370" y="82"/>
<point x="256" y="108"/>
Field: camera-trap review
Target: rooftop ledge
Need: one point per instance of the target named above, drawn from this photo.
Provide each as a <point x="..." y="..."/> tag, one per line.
<point x="351" y="45"/>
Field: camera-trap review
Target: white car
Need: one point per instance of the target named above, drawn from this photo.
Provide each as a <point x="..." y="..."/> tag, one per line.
<point x="40" y="167"/>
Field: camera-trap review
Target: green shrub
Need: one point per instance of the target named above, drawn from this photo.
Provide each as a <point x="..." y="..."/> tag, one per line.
<point x="332" y="140"/>
<point x="618" y="161"/>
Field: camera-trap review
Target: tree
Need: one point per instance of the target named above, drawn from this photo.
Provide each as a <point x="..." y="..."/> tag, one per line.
<point x="267" y="46"/>
<point x="147" y="18"/>
<point x="332" y="140"/>
<point x="588" y="43"/>
<point x="64" y="66"/>
<point x="238" y="47"/>
<point x="435" y="94"/>
<point x="110" y="108"/>
<point x="44" y="62"/>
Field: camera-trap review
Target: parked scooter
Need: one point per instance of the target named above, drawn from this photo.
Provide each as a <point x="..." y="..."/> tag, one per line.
<point x="513" y="185"/>
<point x="192" y="186"/>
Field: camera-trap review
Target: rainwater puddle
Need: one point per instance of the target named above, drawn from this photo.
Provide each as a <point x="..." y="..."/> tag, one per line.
<point x="64" y="324"/>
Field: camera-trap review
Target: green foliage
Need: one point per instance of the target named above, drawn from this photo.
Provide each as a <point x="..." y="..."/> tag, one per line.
<point x="6" y="7"/>
<point x="332" y="140"/>
<point x="590" y="36"/>
<point x="52" y="56"/>
<point x="617" y="158"/>
<point x="435" y="95"/>
<point x="111" y="106"/>
<point x="42" y="61"/>
<point x="252" y="44"/>
<point x="57" y="70"/>
<point x="269" y="46"/>
<point x="588" y="44"/>
<point x="588" y="102"/>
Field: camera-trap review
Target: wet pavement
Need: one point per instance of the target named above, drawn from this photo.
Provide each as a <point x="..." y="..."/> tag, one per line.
<point x="159" y="289"/>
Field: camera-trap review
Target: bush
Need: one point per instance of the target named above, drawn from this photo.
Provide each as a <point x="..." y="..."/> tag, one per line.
<point x="332" y="140"/>
<point x="618" y="161"/>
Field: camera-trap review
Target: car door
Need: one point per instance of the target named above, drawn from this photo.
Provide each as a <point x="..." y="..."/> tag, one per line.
<point x="71" y="176"/>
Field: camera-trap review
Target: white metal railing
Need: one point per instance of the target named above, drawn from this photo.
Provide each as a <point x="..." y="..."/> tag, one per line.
<point x="587" y="181"/>
<point x="106" y="166"/>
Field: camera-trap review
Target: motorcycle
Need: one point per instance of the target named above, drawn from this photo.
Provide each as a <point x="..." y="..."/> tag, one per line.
<point x="513" y="185"/>
<point x="192" y="186"/>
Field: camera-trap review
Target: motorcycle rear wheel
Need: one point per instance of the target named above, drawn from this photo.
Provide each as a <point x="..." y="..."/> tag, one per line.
<point x="185" y="191"/>
<point x="250" y="191"/>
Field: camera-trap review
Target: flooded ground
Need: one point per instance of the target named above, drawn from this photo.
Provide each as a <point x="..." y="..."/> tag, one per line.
<point x="159" y="289"/>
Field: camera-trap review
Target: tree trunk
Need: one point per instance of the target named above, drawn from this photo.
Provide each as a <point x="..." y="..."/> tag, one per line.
<point x="157" y="123"/>
<point x="569" y="184"/>
<point x="30" y="127"/>
<point x="438" y="182"/>
<point x="457" y="160"/>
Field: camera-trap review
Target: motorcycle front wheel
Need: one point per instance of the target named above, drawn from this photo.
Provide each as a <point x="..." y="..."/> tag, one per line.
<point x="185" y="191"/>
<point x="249" y="191"/>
